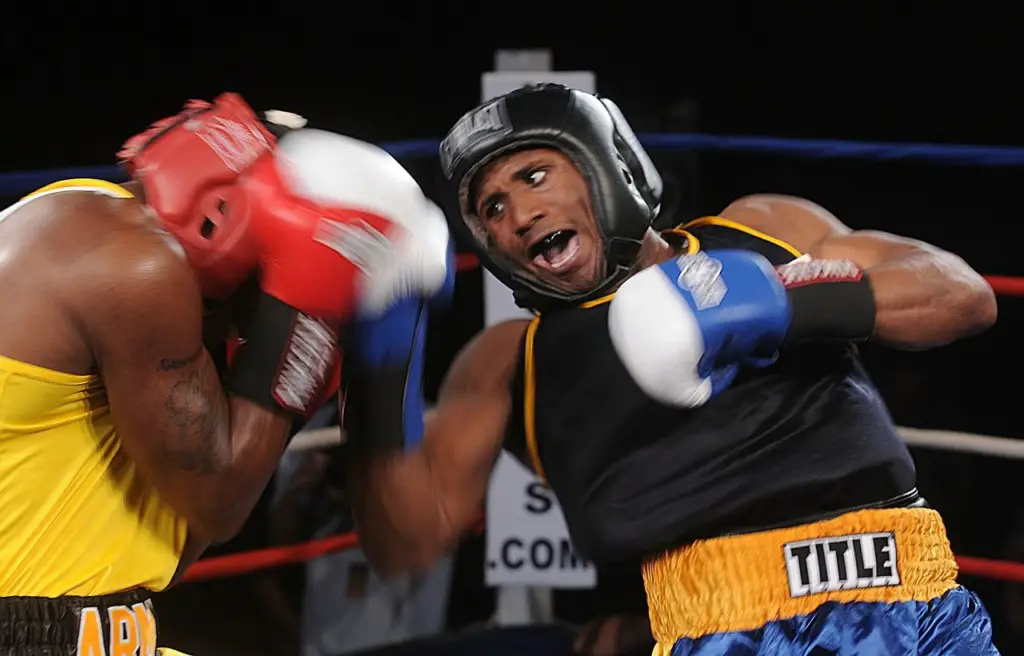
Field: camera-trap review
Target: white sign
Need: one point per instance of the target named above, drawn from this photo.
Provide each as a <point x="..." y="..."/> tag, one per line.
<point x="527" y="539"/>
<point x="497" y="83"/>
<point x="538" y="59"/>
<point x="499" y="304"/>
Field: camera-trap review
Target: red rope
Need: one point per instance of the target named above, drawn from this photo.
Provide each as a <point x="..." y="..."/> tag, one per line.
<point x="260" y="559"/>
<point x="1006" y="285"/>
<point x="271" y="557"/>
<point x="217" y="567"/>
<point x="1000" y="570"/>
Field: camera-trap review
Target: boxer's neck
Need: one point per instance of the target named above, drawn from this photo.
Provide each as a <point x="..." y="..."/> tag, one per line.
<point x="654" y="250"/>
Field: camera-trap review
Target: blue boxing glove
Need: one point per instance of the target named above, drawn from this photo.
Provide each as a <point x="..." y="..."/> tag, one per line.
<point x="683" y="328"/>
<point x="383" y="371"/>
<point x="739" y="303"/>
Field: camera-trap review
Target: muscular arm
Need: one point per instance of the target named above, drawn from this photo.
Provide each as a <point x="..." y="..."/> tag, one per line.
<point x="410" y="508"/>
<point x="924" y="296"/>
<point x="209" y="456"/>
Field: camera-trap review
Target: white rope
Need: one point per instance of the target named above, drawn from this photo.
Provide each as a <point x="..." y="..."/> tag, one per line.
<point x="320" y="438"/>
<point x="999" y="447"/>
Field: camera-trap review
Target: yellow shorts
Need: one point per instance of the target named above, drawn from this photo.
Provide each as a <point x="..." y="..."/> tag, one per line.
<point x="744" y="584"/>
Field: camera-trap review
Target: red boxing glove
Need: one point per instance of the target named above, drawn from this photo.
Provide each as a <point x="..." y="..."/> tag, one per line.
<point x="341" y="230"/>
<point x="332" y="226"/>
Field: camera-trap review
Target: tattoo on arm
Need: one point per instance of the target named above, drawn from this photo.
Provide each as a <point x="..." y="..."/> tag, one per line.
<point x="196" y="413"/>
<point x="170" y="364"/>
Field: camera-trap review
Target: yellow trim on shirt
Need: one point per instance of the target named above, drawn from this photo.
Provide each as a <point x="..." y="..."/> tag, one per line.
<point x="115" y="190"/>
<point x="726" y="223"/>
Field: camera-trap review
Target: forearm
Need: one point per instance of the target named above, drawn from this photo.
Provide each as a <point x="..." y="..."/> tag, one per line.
<point x="926" y="299"/>
<point x="209" y="454"/>
<point x="411" y="507"/>
<point x="401" y="515"/>
<point x="416" y="487"/>
<point x="255" y="439"/>
<point x="922" y="297"/>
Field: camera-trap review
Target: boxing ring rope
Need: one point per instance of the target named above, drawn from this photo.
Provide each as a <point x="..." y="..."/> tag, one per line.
<point x="16" y="183"/>
<point x="983" y="445"/>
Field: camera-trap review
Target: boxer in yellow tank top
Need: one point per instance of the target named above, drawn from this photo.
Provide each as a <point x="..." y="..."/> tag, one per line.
<point x="64" y="471"/>
<point x="122" y="454"/>
<point x="78" y="520"/>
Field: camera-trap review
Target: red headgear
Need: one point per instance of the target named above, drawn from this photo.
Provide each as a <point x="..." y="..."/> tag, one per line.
<point x="188" y="165"/>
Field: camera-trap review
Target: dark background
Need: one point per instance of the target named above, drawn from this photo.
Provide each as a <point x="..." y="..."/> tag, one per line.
<point x="79" y="79"/>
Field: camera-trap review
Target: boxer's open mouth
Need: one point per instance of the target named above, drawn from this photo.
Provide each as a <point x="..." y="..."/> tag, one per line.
<point x="556" y="251"/>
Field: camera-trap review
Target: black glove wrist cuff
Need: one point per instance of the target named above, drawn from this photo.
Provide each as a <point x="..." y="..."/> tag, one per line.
<point x="384" y="406"/>
<point x="373" y="415"/>
<point x="829" y="300"/>
<point x="284" y="359"/>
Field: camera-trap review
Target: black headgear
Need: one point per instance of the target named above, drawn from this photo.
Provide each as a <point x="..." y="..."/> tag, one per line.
<point x="625" y="188"/>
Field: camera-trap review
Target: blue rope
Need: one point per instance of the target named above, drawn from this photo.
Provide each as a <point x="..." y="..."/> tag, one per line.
<point x="836" y="149"/>
<point x="23" y="181"/>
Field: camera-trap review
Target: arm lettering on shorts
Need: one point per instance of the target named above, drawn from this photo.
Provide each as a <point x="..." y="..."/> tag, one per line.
<point x="192" y="446"/>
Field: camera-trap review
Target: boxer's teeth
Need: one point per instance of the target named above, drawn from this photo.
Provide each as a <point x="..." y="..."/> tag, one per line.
<point x="551" y="250"/>
<point x="557" y="250"/>
<point x="565" y="253"/>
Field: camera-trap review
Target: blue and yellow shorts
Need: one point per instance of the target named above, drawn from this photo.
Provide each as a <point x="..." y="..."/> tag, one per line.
<point x="875" y="582"/>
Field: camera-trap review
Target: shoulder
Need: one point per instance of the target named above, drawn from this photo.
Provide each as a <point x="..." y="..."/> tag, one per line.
<point x="135" y="268"/>
<point x="143" y="253"/>
<point x="487" y="364"/>
<point x="796" y="221"/>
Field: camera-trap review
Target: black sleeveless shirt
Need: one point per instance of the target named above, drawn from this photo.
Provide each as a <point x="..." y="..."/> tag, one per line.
<point x="803" y="439"/>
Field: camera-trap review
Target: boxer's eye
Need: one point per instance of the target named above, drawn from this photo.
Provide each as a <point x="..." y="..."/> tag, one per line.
<point x="536" y="177"/>
<point x="493" y="209"/>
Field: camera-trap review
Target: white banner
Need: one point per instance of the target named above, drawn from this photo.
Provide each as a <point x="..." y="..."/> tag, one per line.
<point x="527" y="540"/>
<point x="499" y="304"/>
<point x="497" y="83"/>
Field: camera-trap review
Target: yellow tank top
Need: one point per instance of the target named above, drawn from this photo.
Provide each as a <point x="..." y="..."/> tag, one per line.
<point x="75" y="516"/>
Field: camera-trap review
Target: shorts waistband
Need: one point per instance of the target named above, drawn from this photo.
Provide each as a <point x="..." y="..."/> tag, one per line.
<point x="122" y="623"/>
<point x="742" y="582"/>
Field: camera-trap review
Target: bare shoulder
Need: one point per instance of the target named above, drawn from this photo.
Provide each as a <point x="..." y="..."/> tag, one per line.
<point x="138" y="270"/>
<point x="80" y="268"/>
<point x="136" y="252"/>
<point x="797" y="221"/>
<point x="487" y="364"/>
